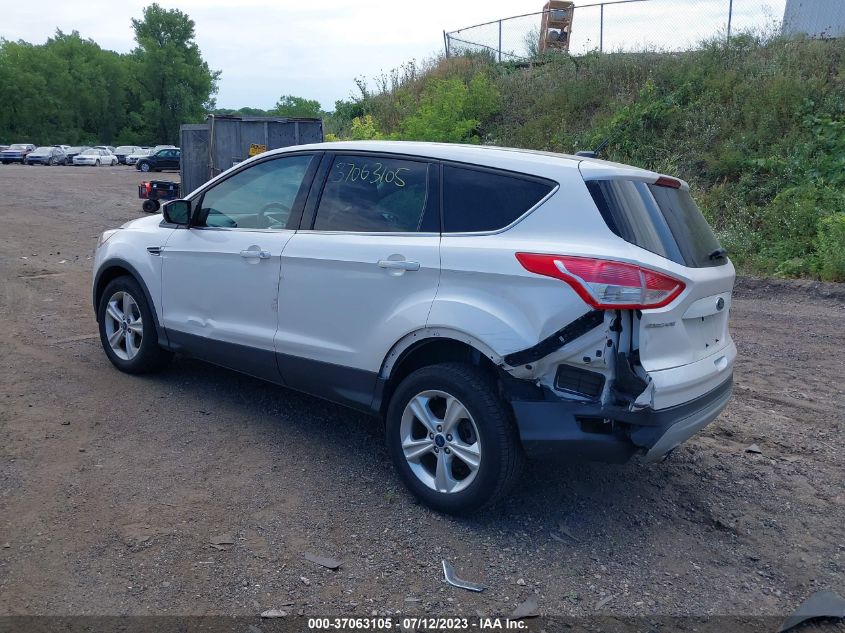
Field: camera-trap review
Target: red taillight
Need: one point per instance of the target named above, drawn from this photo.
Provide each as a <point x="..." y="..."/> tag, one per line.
<point x="665" y="181"/>
<point x="606" y="284"/>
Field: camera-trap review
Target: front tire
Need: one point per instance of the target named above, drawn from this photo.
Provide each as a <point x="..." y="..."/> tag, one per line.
<point x="145" y="167"/>
<point x="96" y="163"/>
<point x="452" y="438"/>
<point x="127" y="328"/>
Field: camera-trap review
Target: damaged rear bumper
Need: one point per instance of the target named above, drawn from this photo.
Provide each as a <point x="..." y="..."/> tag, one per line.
<point x="561" y="428"/>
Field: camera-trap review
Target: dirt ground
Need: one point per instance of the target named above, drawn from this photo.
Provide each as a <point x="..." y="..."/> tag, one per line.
<point x="112" y="486"/>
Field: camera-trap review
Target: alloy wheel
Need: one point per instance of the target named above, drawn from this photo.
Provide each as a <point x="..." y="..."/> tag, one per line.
<point x="124" y="325"/>
<point x="440" y="441"/>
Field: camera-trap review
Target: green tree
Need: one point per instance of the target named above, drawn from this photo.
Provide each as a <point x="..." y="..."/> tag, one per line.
<point x="292" y="106"/>
<point x="245" y="111"/>
<point x="176" y="83"/>
<point x="99" y="112"/>
<point x="67" y="90"/>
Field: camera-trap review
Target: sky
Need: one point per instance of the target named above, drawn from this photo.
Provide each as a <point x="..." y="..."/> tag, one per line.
<point x="267" y="48"/>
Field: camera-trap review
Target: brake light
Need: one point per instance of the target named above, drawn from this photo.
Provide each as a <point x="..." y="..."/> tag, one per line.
<point x="606" y="284"/>
<point x="665" y="181"/>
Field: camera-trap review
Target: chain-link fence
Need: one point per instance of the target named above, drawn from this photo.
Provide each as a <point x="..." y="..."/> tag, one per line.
<point x="622" y="25"/>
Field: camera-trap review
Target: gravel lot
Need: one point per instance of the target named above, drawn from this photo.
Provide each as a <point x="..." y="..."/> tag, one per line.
<point x="112" y="486"/>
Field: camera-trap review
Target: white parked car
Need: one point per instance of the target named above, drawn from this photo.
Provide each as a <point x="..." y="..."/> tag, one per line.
<point x="140" y="153"/>
<point x="95" y="157"/>
<point x="488" y="303"/>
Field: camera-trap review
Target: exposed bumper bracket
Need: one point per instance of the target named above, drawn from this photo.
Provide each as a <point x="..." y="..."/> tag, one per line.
<point x="575" y="329"/>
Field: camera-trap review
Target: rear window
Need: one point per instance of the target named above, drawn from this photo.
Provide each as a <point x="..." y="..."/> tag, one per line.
<point x="662" y="220"/>
<point x="476" y="200"/>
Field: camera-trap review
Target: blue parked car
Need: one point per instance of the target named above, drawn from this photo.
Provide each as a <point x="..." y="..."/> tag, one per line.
<point x="47" y="156"/>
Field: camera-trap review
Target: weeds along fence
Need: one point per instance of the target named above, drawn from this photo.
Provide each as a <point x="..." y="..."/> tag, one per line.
<point x="621" y="26"/>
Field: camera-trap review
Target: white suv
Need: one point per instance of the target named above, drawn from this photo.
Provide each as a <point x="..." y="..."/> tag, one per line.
<point x="487" y="303"/>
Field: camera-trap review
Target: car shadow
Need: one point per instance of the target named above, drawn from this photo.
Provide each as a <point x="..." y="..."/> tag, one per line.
<point x="567" y="501"/>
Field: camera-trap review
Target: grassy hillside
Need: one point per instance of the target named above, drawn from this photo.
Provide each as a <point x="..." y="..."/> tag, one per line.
<point x="757" y="128"/>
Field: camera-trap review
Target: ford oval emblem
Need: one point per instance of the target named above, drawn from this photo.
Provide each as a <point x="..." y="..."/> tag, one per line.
<point x="720" y="304"/>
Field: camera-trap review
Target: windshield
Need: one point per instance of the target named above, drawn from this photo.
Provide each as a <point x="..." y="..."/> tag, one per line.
<point x="43" y="150"/>
<point x="90" y="152"/>
<point x="660" y="219"/>
<point x="18" y="146"/>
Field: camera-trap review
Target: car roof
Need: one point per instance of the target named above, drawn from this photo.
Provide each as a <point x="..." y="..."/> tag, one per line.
<point x="536" y="162"/>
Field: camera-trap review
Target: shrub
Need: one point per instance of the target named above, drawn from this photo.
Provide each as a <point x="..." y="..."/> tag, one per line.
<point x="451" y="111"/>
<point x="830" y="245"/>
<point x="364" y="129"/>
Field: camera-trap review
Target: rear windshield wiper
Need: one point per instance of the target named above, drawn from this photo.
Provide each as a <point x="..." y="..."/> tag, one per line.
<point x="719" y="253"/>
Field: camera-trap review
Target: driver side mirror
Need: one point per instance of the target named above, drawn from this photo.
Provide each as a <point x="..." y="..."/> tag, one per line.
<point x="177" y="212"/>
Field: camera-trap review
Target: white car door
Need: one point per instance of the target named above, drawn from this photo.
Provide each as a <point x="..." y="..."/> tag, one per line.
<point x="220" y="277"/>
<point x="361" y="275"/>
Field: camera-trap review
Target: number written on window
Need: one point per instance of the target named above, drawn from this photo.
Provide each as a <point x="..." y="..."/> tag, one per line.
<point x="374" y="173"/>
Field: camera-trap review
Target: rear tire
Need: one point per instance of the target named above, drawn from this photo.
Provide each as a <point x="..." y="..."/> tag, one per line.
<point x="456" y="462"/>
<point x="127" y="328"/>
<point x="97" y="163"/>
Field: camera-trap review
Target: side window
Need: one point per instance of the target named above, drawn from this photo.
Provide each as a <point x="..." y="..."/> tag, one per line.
<point x="259" y="197"/>
<point x="479" y="200"/>
<point x="375" y="194"/>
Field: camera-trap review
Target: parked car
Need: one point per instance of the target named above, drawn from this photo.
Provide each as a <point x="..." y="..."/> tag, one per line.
<point x="122" y="151"/>
<point x="160" y="160"/>
<point x="16" y="153"/>
<point x="46" y="156"/>
<point x="131" y="159"/>
<point x="74" y="151"/>
<point x="95" y="157"/>
<point x="489" y="304"/>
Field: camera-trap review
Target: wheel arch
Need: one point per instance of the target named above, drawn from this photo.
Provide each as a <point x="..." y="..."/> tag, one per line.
<point x="111" y="270"/>
<point x="427" y="347"/>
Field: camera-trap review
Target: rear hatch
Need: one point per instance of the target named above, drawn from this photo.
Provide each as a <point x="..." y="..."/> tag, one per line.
<point x="657" y="214"/>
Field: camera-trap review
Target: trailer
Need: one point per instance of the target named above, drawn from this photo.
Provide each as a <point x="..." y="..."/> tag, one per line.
<point x="153" y="192"/>
<point x="211" y="148"/>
